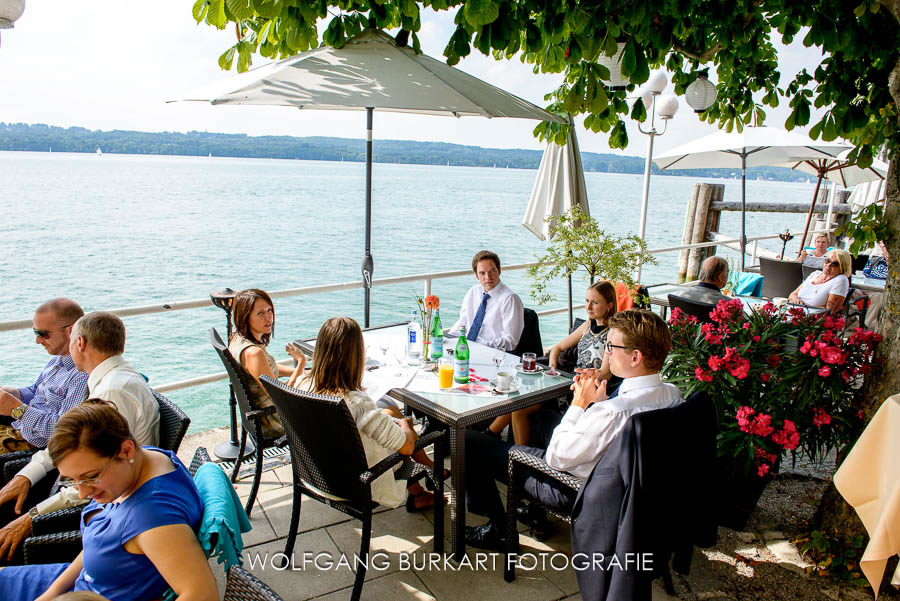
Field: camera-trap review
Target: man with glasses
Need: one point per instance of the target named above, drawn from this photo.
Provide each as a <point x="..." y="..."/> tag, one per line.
<point x="637" y="345"/>
<point x="492" y="314"/>
<point x="29" y="413"/>
<point x="96" y="345"/>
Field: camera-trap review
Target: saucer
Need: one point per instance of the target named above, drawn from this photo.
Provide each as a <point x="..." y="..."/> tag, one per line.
<point x="512" y="388"/>
<point x="538" y="369"/>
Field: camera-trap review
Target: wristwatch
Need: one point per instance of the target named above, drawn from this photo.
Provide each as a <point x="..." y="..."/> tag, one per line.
<point x="33" y="512"/>
<point x="18" y="412"/>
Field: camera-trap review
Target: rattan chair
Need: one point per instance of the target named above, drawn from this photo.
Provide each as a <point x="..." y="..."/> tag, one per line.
<point x="250" y="416"/>
<point x="695" y="308"/>
<point x="329" y="464"/>
<point x="780" y="277"/>
<point x="244" y="586"/>
<point x="530" y="341"/>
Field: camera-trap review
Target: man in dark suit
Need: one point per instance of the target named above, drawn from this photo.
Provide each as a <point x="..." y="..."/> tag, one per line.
<point x="713" y="277"/>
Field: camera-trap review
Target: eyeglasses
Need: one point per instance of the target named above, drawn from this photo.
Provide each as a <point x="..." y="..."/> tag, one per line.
<point x="92" y="482"/>
<point x="610" y="346"/>
<point x="46" y="333"/>
<point x="830" y="261"/>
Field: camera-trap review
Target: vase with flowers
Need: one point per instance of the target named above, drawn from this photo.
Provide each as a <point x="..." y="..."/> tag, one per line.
<point x="781" y="381"/>
<point x="426" y="307"/>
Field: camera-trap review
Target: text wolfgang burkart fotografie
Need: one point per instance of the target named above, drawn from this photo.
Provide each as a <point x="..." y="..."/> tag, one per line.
<point x="380" y="561"/>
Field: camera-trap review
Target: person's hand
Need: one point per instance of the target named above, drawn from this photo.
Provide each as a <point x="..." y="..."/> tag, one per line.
<point x="585" y="373"/>
<point x="795" y="298"/>
<point x="297" y="354"/>
<point x="16" y="489"/>
<point x="8" y="402"/>
<point x="588" y="391"/>
<point x="12" y="535"/>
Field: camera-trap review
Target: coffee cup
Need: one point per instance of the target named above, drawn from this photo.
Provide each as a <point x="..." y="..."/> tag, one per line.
<point x="504" y="380"/>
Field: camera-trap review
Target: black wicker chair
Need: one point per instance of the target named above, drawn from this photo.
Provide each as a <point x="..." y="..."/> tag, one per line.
<point x="173" y="423"/>
<point x="699" y="310"/>
<point x="530" y="342"/>
<point x="250" y="417"/>
<point x="329" y="464"/>
<point x="244" y="586"/>
<point x="780" y="277"/>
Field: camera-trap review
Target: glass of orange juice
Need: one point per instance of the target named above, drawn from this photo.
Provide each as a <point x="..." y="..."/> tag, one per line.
<point x="445" y="373"/>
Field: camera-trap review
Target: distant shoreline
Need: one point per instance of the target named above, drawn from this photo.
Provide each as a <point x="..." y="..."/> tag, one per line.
<point x="47" y="138"/>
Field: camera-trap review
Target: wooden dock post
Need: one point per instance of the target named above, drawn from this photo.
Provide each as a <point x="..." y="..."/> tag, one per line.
<point x="706" y="194"/>
<point x="687" y="234"/>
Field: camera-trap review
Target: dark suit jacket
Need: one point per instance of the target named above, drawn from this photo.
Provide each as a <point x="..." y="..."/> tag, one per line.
<point x="651" y="493"/>
<point x="701" y="294"/>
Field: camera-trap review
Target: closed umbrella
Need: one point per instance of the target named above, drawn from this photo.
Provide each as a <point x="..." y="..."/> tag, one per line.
<point x="752" y="147"/>
<point x="840" y="171"/>
<point x="371" y="71"/>
<point x="558" y="187"/>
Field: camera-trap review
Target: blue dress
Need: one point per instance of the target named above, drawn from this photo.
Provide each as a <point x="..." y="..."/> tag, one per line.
<point x="109" y="569"/>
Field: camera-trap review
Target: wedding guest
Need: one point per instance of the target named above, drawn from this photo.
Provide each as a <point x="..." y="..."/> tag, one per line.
<point x="828" y="288"/>
<point x="253" y="315"/>
<point x="492" y="314"/>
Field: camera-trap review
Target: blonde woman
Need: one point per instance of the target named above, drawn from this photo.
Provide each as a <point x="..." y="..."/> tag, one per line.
<point x="826" y="289"/>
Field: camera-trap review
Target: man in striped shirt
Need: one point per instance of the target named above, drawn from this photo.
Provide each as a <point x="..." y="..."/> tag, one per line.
<point x="32" y="411"/>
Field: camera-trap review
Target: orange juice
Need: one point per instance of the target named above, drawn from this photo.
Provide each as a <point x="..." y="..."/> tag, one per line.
<point x="446" y="375"/>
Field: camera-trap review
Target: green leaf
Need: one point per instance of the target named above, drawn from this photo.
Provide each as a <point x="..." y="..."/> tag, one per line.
<point x="269" y="9"/>
<point x="830" y="132"/>
<point x="629" y="59"/>
<point x="240" y="9"/>
<point x="199" y="9"/>
<point x="216" y="14"/>
<point x="481" y="12"/>
<point x="334" y="33"/>
<point x="245" y="57"/>
<point x="226" y="59"/>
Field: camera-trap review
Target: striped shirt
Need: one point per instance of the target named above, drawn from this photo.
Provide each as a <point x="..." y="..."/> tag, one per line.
<point x="59" y="388"/>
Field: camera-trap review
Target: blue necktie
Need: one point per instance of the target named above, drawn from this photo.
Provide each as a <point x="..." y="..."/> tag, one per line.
<point x="479" y="318"/>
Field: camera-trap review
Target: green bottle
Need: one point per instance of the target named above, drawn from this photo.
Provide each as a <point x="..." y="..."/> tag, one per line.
<point x="461" y="358"/>
<point x="437" y="336"/>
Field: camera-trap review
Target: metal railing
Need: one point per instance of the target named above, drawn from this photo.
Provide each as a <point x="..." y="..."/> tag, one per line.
<point x="426" y="278"/>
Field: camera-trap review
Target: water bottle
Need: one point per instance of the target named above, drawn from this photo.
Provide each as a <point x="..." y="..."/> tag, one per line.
<point x="437" y="336"/>
<point x="413" y="338"/>
<point x="461" y="358"/>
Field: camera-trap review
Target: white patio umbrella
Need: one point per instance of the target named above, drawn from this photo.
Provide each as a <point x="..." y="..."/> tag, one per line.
<point x="558" y="187"/>
<point x="752" y="147"/>
<point x="369" y="72"/>
<point x="838" y="170"/>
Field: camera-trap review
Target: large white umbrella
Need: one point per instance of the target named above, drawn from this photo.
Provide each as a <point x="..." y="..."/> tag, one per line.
<point x="752" y="147"/>
<point x="369" y="72"/>
<point x="558" y="187"/>
<point x="838" y="170"/>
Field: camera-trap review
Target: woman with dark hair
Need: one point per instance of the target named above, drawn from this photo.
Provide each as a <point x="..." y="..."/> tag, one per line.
<point x="589" y="338"/>
<point x="253" y="315"/>
<point x="338" y="365"/>
<point x="138" y="531"/>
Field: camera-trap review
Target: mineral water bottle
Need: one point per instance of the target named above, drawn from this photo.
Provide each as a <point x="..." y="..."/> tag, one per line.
<point x="413" y="338"/>
<point x="461" y="358"/>
<point x="437" y="336"/>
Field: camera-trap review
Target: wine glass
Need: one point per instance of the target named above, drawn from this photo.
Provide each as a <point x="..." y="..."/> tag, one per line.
<point x="384" y="345"/>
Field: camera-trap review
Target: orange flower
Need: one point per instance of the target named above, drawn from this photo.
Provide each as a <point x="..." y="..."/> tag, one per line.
<point x="432" y="302"/>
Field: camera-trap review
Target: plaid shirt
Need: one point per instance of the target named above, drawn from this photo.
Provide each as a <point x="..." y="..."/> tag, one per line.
<point x="59" y="388"/>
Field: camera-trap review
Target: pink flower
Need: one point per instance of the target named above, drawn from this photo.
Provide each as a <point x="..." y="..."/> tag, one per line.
<point x="832" y="354"/>
<point x="741" y="368"/>
<point x="765" y="376"/>
<point x="824" y="371"/>
<point x="701" y="375"/>
<point x="715" y="362"/>
<point x="746" y="326"/>
<point x="755" y="338"/>
<point x="743" y="417"/>
<point x="727" y="310"/>
<point x="773" y="360"/>
<point x="763" y="469"/>
<point x="821" y="418"/>
<point x="709" y="334"/>
<point x="788" y="436"/>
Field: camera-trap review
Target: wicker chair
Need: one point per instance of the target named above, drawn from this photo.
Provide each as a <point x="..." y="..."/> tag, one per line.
<point x="329" y="464"/>
<point x="244" y="586"/>
<point x="250" y="417"/>
<point x="781" y="277"/>
<point x="530" y="341"/>
<point x="695" y="308"/>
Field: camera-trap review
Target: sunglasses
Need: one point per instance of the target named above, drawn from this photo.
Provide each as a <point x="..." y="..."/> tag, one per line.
<point x="46" y="333"/>
<point x="830" y="261"/>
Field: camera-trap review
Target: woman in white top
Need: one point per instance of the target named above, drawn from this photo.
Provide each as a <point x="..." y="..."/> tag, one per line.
<point x="820" y="247"/>
<point x="827" y="288"/>
<point x="338" y="366"/>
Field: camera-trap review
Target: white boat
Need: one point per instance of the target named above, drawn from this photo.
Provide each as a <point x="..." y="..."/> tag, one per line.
<point x="99" y="152"/>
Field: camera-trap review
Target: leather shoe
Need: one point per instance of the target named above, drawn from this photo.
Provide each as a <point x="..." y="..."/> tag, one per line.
<point x="486" y="536"/>
<point x="536" y="519"/>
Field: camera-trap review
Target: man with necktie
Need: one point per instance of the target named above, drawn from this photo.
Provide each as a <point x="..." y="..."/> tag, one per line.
<point x="637" y="345"/>
<point x="492" y="313"/>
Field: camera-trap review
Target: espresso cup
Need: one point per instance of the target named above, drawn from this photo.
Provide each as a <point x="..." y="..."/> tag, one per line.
<point x="504" y="380"/>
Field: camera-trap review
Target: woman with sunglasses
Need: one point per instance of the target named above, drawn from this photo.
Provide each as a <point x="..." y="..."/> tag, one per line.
<point x="139" y="530"/>
<point x="828" y="288"/>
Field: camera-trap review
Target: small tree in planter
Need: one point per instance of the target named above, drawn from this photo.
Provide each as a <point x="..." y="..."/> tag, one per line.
<point x="578" y="242"/>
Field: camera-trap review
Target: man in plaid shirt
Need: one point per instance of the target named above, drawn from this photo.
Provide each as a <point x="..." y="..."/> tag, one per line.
<point x="32" y="411"/>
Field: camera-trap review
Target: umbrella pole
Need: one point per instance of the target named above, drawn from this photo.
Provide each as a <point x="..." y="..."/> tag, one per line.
<point x="571" y="317"/>
<point x="368" y="265"/>
<point x="812" y="209"/>
<point x="743" y="209"/>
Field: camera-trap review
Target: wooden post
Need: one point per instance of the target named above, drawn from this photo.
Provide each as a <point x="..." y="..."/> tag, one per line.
<point x="708" y="193"/>
<point x="688" y="233"/>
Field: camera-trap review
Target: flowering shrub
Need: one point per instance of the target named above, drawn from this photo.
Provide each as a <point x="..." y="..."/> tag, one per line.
<point x="781" y="381"/>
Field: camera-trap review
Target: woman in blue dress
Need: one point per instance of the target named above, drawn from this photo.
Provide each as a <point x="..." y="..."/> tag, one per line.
<point x="138" y="531"/>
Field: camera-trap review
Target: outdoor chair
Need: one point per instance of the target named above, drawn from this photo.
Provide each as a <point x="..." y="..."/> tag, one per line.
<point x="808" y="271"/>
<point x="329" y="464"/>
<point x="173" y="425"/>
<point x="568" y="358"/>
<point x="530" y="342"/>
<point x="699" y="310"/>
<point x="244" y="586"/>
<point x="638" y="499"/>
<point x="780" y="277"/>
<point x="250" y="416"/>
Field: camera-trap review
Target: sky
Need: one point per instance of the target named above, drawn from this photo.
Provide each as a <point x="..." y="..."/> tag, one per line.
<point x="109" y="64"/>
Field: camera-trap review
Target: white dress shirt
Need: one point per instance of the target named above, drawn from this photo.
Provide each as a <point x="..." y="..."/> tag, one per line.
<point x="504" y="317"/>
<point x="117" y="381"/>
<point x="582" y="436"/>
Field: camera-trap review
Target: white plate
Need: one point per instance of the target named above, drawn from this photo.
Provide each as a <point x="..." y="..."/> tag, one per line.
<point x="538" y="369"/>
<point x="513" y="388"/>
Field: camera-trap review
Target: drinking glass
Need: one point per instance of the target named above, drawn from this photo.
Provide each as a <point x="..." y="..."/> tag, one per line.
<point x="529" y="362"/>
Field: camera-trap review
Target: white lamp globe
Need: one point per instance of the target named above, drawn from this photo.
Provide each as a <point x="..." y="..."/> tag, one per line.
<point x="667" y="106"/>
<point x="657" y="82"/>
<point x="10" y="10"/>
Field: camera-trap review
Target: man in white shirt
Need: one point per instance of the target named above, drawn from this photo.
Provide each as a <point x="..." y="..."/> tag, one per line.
<point x="637" y="345"/>
<point x="96" y="346"/>
<point x="492" y="314"/>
